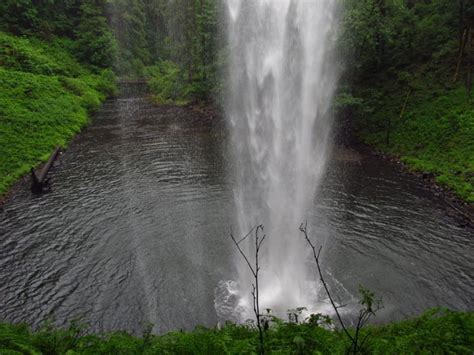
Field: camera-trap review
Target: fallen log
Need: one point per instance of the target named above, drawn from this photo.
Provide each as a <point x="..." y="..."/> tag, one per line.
<point x="39" y="181"/>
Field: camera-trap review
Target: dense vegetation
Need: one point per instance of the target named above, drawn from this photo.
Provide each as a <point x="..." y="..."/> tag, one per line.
<point x="55" y="68"/>
<point x="45" y="98"/>
<point x="185" y="49"/>
<point x="58" y="59"/>
<point x="408" y="82"/>
<point x="436" y="332"/>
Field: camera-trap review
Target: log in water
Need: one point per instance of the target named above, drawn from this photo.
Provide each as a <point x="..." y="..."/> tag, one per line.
<point x="39" y="182"/>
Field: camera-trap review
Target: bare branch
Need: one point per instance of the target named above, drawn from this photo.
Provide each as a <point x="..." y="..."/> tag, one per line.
<point x="247" y="235"/>
<point x="304" y="230"/>
<point x="254" y="270"/>
<point x="243" y="254"/>
<point x="261" y="241"/>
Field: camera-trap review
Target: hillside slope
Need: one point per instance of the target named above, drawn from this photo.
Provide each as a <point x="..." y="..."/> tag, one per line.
<point x="46" y="97"/>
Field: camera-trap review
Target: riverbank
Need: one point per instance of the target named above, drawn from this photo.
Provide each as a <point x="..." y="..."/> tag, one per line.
<point x="433" y="332"/>
<point x="456" y="206"/>
<point x="46" y="97"/>
<point x="427" y="126"/>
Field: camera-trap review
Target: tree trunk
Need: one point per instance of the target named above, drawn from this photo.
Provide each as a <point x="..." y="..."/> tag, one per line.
<point x="469" y="61"/>
<point x="405" y="104"/>
<point x="461" y="23"/>
<point x="380" y="36"/>
<point x="464" y="39"/>
<point x="203" y="43"/>
<point x="389" y="127"/>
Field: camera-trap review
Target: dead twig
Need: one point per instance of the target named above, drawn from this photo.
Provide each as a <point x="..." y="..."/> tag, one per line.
<point x="254" y="269"/>
<point x="370" y="305"/>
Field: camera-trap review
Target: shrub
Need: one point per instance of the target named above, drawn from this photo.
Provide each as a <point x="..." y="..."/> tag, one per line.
<point x="168" y="83"/>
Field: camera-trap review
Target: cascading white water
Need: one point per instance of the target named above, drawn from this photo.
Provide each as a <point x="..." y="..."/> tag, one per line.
<point x="282" y="82"/>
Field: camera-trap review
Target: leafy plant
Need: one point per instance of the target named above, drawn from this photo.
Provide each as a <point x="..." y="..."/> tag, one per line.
<point x="45" y="98"/>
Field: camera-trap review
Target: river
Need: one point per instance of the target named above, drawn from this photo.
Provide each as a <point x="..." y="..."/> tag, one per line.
<point x="136" y="229"/>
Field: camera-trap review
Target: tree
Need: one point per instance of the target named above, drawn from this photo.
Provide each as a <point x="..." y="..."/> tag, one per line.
<point x="95" y="43"/>
<point x="127" y="20"/>
<point x="155" y="29"/>
<point x="42" y="18"/>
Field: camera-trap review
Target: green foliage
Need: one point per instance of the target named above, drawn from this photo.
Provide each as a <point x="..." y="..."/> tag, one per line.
<point x="39" y="18"/>
<point x="45" y="98"/>
<point x="83" y="22"/>
<point x="128" y="35"/>
<point x="368" y="300"/>
<point x="17" y="16"/>
<point x="168" y="83"/>
<point x="379" y="35"/>
<point x="37" y="57"/>
<point x="433" y="135"/>
<point x="401" y="95"/>
<point x="106" y="83"/>
<point x="128" y="21"/>
<point x="94" y="43"/>
<point x="437" y="331"/>
<point x="158" y="33"/>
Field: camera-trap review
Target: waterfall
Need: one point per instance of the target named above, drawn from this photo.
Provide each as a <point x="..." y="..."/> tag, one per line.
<point x="281" y="83"/>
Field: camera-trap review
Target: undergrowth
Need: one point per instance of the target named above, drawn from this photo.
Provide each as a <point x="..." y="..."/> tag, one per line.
<point x="431" y="128"/>
<point x="46" y="97"/>
<point x="435" y="332"/>
<point x="168" y="84"/>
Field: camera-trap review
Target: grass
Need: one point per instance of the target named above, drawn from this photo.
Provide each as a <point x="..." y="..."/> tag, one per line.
<point x="434" y="134"/>
<point x="435" y="332"/>
<point x="45" y="99"/>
